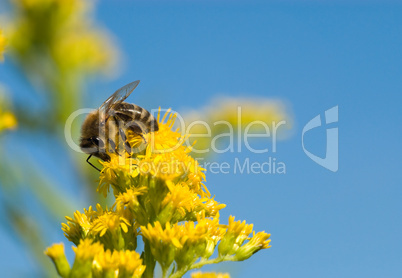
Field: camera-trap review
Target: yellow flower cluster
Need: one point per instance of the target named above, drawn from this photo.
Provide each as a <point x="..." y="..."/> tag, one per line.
<point x="110" y="227"/>
<point x="167" y="205"/>
<point x="92" y="260"/>
<point x="61" y="29"/>
<point x="165" y="158"/>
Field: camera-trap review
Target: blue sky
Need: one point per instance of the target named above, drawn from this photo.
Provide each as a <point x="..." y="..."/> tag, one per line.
<point x="313" y="56"/>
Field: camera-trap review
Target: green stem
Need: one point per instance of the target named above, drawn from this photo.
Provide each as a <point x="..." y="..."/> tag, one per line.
<point x="200" y="264"/>
<point x="149" y="260"/>
<point x="164" y="272"/>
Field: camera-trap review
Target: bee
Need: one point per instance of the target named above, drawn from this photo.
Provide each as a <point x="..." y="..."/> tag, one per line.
<point x="111" y="121"/>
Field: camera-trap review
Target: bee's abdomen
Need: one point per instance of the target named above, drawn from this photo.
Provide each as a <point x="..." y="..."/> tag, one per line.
<point x="132" y="112"/>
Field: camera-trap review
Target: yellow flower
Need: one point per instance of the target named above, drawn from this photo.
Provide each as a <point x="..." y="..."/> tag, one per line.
<point x="163" y="242"/>
<point x="169" y="158"/>
<point x="7" y="121"/>
<point x="183" y="242"/>
<point x="128" y="206"/>
<point x="68" y="6"/>
<point x="129" y="199"/>
<point x="78" y="227"/>
<point x="3" y="43"/>
<point x="261" y="239"/>
<point x="209" y="275"/>
<point x="87" y="249"/>
<point x="165" y="158"/>
<point x="237" y="232"/>
<point x="166" y="139"/>
<point x="181" y="199"/>
<point x="160" y="196"/>
<point x="210" y="206"/>
<point x="86" y="50"/>
<point x="84" y="256"/>
<point x="122" y="263"/>
<point x="96" y="224"/>
<point x="238" y="228"/>
<point x="199" y="239"/>
<point x="118" y="173"/>
<point x="55" y="251"/>
<point x="258" y="242"/>
<point x="168" y="235"/>
<point x="109" y="221"/>
<point x="61" y="32"/>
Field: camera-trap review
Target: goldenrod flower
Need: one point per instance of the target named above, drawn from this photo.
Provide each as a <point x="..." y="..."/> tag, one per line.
<point x="78" y="227"/>
<point x="163" y="242"/>
<point x="198" y="240"/>
<point x="7" y="120"/>
<point x="84" y="50"/>
<point x="109" y="222"/>
<point x="160" y="196"/>
<point x="97" y="224"/>
<point x="120" y="263"/>
<point x="165" y="158"/>
<point x="64" y="30"/>
<point x="129" y="198"/>
<point x="85" y="253"/>
<point x="87" y="249"/>
<point x="56" y="253"/>
<point x="258" y="242"/>
<point x="209" y="275"/>
<point x="180" y="201"/>
<point x="182" y="243"/>
<point x="118" y="172"/>
<point x="237" y="232"/>
<point x="3" y="42"/>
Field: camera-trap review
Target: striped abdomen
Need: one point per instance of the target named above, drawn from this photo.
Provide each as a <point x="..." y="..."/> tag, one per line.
<point x="129" y="112"/>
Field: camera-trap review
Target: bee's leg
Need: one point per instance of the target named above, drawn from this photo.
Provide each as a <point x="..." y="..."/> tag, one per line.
<point x="142" y="136"/>
<point x="91" y="163"/>
<point x="127" y="145"/>
<point x="113" y="146"/>
<point x="136" y="128"/>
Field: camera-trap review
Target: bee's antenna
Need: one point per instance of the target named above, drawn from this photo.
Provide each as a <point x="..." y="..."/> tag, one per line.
<point x="91" y="163"/>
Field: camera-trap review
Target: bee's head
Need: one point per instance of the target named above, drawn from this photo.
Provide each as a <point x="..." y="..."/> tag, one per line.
<point x="92" y="140"/>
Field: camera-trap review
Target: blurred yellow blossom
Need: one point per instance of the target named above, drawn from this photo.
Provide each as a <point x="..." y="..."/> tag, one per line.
<point x="7" y="120"/>
<point x="58" y="44"/>
<point x="3" y="42"/>
<point x="230" y="116"/>
<point x="209" y="275"/>
<point x="63" y="29"/>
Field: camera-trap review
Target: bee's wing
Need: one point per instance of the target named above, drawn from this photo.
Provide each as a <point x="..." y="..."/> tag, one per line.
<point x="119" y="96"/>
